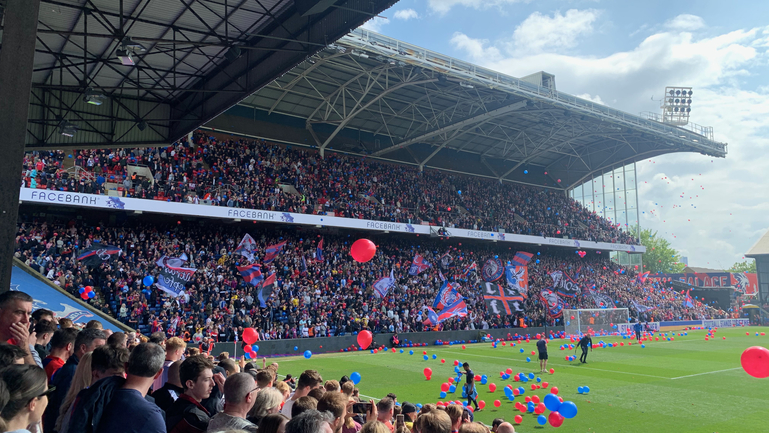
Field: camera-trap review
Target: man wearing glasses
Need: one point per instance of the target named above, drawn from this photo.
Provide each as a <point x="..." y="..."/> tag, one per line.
<point x="240" y="392"/>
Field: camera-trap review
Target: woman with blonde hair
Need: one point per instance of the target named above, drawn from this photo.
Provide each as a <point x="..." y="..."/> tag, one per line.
<point x="28" y="390"/>
<point x="80" y="381"/>
<point x="267" y="402"/>
<point x="374" y="427"/>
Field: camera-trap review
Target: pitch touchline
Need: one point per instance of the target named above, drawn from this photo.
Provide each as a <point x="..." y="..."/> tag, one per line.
<point x="561" y="365"/>
<point x="708" y="372"/>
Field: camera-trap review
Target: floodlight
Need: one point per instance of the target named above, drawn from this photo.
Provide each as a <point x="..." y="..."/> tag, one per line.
<point x="129" y="44"/>
<point x="94" y="97"/>
<point x="67" y="129"/>
<point x="465" y="85"/>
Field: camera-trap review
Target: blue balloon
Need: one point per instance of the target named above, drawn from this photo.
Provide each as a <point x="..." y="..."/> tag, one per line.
<point x="426" y="357"/>
<point x="148" y="280"/>
<point x="296" y="348"/>
<point x="580" y="390"/>
<point x="552" y="402"/>
<point x="247" y="355"/>
<point x="456" y="369"/>
<point x="541" y="420"/>
<point x="484" y="380"/>
<point x="539" y="379"/>
<point x="525" y="171"/>
<point x="528" y="359"/>
<point x="521" y="349"/>
<point x="255" y="348"/>
<point x="568" y="409"/>
<point x="82" y="289"/>
<point x="401" y="350"/>
<point x="508" y="391"/>
<point x="419" y="405"/>
<point x="586" y="389"/>
<point x="521" y="390"/>
<point x="530" y="407"/>
<point x="452" y="389"/>
<point x="91" y="295"/>
<point x="531" y="375"/>
<point x="443" y="394"/>
<point x="435" y="356"/>
<point x="355" y="377"/>
<point x="307" y="354"/>
<point x="411" y="352"/>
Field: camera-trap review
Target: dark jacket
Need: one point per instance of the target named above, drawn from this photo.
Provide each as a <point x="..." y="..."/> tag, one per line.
<point x="90" y="403"/>
<point x="164" y="397"/>
<point x="62" y="380"/>
<point x="186" y="416"/>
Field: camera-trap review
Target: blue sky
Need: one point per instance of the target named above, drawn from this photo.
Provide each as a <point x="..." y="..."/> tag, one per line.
<point x="621" y="53"/>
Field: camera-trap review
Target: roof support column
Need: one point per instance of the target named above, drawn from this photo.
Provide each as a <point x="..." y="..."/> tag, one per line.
<point x="16" y="65"/>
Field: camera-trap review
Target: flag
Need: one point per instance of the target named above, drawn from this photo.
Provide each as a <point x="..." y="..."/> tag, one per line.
<point x="501" y="301"/>
<point x="418" y="265"/>
<point x="473" y="267"/>
<point x="440" y="275"/>
<point x="432" y="317"/>
<point x="492" y="270"/>
<point x="688" y="300"/>
<point x="601" y="300"/>
<point x="173" y="280"/>
<point x="382" y="285"/>
<point x="518" y="279"/>
<point x="98" y="254"/>
<point x="251" y="273"/>
<point x="642" y="277"/>
<point x="522" y="259"/>
<point x="554" y="303"/>
<point x="640" y="308"/>
<point x="246" y="247"/>
<point x="272" y="251"/>
<point x="447" y="295"/>
<point x="304" y="267"/>
<point x="564" y="284"/>
<point x="265" y="291"/>
<point x="175" y="262"/>
<point x="446" y="260"/>
<point x="456" y="309"/>
<point x="319" y="251"/>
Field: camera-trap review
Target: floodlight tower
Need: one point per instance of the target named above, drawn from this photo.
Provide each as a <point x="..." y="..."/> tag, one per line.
<point x="676" y="105"/>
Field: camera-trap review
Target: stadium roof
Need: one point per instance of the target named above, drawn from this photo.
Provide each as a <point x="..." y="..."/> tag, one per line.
<point x="373" y="95"/>
<point x="192" y="60"/>
<point x="760" y="248"/>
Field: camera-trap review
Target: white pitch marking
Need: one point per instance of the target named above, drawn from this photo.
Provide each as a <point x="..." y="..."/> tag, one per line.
<point x="707" y="372"/>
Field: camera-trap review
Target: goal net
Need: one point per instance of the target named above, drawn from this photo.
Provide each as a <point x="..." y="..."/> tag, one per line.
<point x="594" y="321"/>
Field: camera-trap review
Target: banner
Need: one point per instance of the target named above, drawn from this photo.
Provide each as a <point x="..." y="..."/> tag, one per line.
<point x="173" y="280"/>
<point x="447" y="295"/>
<point x="176" y="262"/>
<point x="600" y="300"/>
<point x="472" y="267"/>
<point x="98" y="254"/>
<point x="246" y="247"/>
<point x="500" y="300"/>
<point x="522" y="259"/>
<point x="518" y="279"/>
<point x="382" y="285"/>
<point x="564" y="284"/>
<point x="272" y="251"/>
<point x="554" y="303"/>
<point x="492" y="270"/>
<point x="418" y="265"/>
<point x="744" y="282"/>
<point x="640" y="308"/>
<point x="268" y="286"/>
<point x="445" y="261"/>
<point x="252" y="274"/>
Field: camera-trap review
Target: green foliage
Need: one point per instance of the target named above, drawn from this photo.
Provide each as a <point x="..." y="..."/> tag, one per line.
<point x="748" y="266"/>
<point x="660" y="256"/>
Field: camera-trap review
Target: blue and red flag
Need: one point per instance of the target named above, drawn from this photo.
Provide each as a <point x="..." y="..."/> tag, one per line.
<point x="265" y="291"/>
<point x="272" y="251"/>
<point x="473" y="267"/>
<point x="382" y="285"/>
<point x="688" y="301"/>
<point x="522" y="259"/>
<point x="98" y="254"/>
<point x="252" y="274"/>
<point x="642" y="277"/>
<point x="447" y="295"/>
<point x="319" y="251"/>
<point x="418" y="265"/>
<point x="304" y="267"/>
<point x="457" y="309"/>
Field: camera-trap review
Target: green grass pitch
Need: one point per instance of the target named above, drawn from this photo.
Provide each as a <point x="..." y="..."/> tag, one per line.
<point x="686" y="385"/>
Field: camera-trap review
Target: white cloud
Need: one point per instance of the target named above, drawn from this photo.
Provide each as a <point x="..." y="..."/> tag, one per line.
<point x="686" y="23"/>
<point x="443" y="6"/>
<point x="375" y="24"/>
<point x="539" y="33"/>
<point x="406" y="14"/>
<point x="729" y="201"/>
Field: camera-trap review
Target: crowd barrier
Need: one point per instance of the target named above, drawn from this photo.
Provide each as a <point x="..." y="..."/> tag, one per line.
<point x="681" y="324"/>
<point x="270" y="348"/>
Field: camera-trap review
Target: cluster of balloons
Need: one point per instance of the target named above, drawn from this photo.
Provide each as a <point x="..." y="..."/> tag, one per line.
<point x="251" y="351"/>
<point x="87" y="293"/>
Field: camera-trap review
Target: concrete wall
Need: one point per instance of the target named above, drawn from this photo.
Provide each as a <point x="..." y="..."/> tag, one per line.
<point x="334" y="344"/>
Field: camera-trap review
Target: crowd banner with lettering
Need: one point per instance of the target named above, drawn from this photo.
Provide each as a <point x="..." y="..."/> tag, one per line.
<point x="492" y="270"/>
<point x="743" y="282"/>
<point x="174" y="280"/>
<point x="502" y="300"/>
<point x="624" y="328"/>
<point x="42" y="196"/>
<point x="564" y="284"/>
<point x="98" y="254"/>
<point x="555" y="304"/>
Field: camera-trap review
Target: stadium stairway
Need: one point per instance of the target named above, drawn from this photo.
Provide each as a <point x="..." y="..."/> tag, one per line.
<point x="50" y="296"/>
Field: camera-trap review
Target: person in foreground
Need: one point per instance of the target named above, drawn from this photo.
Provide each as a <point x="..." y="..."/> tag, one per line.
<point x="28" y="397"/>
<point x="144" y="366"/>
<point x="186" y="414"/>
<point x="240" y="393"/>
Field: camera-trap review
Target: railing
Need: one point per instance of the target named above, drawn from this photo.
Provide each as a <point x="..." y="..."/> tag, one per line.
<point x="413" y="54"/>
<point x="706" y="131"/>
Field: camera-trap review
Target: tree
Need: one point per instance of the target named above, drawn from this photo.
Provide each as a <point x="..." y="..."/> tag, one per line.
<point x="748" y="266"/>
<point x="660" y="257"/>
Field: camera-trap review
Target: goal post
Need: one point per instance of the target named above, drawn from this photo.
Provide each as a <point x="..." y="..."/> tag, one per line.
<point x="594" y="320"/>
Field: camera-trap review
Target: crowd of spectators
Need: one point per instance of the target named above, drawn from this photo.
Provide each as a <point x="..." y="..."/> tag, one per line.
<point x="248" y="174"/>
<point x="333" y="297"/>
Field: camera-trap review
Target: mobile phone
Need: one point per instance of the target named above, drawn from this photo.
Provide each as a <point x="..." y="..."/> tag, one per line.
<point x="361" y="407"/>
<point x="399" y="421"/>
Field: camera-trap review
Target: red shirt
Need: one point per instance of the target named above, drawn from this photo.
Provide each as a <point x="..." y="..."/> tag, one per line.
<point x="52" y="365"/>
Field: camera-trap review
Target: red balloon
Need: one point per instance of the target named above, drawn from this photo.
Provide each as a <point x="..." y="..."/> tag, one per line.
<point x="755" y="361"/>
<point x="363" y="250"/>
<point x="250" y="336"/>
<point x="497" y="403"/>
<point x="540" y="408"/>
<point x="509" y="371"/>
<point x="556" y="419"/>
<point x="428" y="372"/>
<point x="364" y="339"/>
<point x="492" y="387"/>
<point x="554" y="390"/>
<point x="481" y="404"/>
<point x="518" y="419"/>
<point x="535" y="398"/>
<point x="443" y="361"/>
<point x="445" y="387"/>
<point x="451" y="380"/>
<point x="477" y="378"/>
<point x="456" y="362"/>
